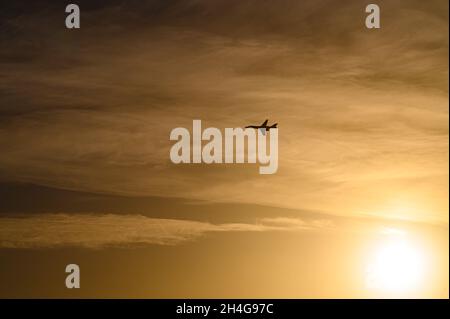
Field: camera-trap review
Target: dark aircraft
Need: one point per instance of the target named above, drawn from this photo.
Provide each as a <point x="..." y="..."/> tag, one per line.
<point x="263" y="127"/>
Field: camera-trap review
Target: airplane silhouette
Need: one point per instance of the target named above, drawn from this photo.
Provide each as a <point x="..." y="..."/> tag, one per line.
<point x="263" y="127"/>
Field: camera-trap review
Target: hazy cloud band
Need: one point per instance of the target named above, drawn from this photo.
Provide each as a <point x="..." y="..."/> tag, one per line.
<point x="98" y="231"/>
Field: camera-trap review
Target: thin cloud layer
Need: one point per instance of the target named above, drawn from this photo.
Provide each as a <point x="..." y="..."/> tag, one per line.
<point x="110" y="230"/>
<point x="363" y="114"/>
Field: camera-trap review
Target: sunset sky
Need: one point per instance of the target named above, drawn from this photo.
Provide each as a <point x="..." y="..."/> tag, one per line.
<point x="86" y="178"/>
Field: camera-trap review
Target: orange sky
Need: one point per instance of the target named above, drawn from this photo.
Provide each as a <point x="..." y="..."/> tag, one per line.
<point x="363" y="143"/>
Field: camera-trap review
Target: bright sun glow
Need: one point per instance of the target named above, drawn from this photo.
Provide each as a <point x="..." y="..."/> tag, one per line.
<point x="396" y="267"/>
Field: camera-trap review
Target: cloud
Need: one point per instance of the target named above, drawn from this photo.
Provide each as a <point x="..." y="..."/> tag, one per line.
<point x="112" y="230"/>
<point x="363" y="115"/>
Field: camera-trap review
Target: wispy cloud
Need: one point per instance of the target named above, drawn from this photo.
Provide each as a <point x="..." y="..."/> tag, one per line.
<point x="106" y="230"/>
<point x="363" y="115"/>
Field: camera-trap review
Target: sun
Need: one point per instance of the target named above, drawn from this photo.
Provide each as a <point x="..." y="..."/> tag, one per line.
<point x="396" y="267"/>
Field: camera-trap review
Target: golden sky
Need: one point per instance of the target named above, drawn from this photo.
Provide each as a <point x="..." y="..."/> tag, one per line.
<point x="85" y="118"/>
